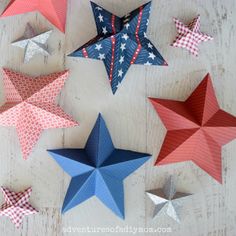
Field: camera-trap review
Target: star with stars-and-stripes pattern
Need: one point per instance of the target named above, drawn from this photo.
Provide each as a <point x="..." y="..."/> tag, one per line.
<point x="121" y="42"/>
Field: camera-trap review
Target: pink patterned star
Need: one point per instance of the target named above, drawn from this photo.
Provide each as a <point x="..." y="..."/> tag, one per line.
<point x="16" y="205"/>
<point x="189" y="36"/>
<point x="30" y="106"/>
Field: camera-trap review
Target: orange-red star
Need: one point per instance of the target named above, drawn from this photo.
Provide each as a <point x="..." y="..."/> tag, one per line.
<point x="53" y="11"/>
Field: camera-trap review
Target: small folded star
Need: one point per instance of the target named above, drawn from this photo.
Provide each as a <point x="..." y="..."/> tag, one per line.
<point x="33" y="43"/>
<point x="189" y="36"/>
<point x="16" y="205"/>
<point x="167" y="200"/>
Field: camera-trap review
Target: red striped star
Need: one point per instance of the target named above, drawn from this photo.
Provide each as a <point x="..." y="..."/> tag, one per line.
<point x="196" y="129"/>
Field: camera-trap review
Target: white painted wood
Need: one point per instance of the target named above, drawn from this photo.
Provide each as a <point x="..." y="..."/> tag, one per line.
<point x="130" y="118"/>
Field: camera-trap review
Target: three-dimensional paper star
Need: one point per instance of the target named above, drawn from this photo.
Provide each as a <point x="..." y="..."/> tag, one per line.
<point x="167" y="200"/>
<point x="53" y="11"/>
<point x="196" y="129"/>
<point x="99" y="169"/>
<point x="121" y="42"/>
<point x="189" y="36"/>
<point x="30" y="106"/>
<point x="33" y="43"/>
<point x="16" y="205"/>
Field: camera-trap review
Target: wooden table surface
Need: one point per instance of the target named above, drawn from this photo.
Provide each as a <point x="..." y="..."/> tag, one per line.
<point x="132" y="121"/>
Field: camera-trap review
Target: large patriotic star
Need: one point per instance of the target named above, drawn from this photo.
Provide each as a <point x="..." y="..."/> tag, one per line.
<point x="30" y="106"/>
<point x="98" y="170"/>
<point x="53" y="11"/>
<point x="189" y="36"/>
<point x="16" y="205"/>
<point x="121" y="42"/>
<point x="196" y="129"/>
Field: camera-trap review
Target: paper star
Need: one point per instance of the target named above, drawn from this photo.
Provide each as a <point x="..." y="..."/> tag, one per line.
<point x="196" y="129"/>
<point x="167" y="200"/>
<point x="98" y="170"/>
<point x="30" y="106"/>
<point x="190" y="36"/>
<point x="98" y="47"/>
<point x="121" y="37"/>
<point x="33" y="43"/>
<point x="53" y="11"/>
<point x="16" y="205"/>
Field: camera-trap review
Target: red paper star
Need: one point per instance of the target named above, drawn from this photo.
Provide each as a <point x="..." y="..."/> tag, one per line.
<point x="190" y="35"/>
<point x="30" y="106"/>
<point x="16" y="205"/>
<point x="53" y="11"/>
<point x="196" y="129"/>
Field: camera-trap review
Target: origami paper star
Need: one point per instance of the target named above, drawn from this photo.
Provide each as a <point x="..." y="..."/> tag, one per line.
<point x="190" y="36"/>
<point x="53" y="11"/>
<point x="16" y="205"/>
<point x="30" y="106"/>
<point x="196" y="129"/>
<point x="167" y="200"/>
<point x="98" y="170"/>
<point x="33" y="43"/>
<point x="121" y="42"/>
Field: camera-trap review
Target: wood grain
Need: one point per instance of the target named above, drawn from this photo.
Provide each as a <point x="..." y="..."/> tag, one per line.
<point x="130" y="118"/>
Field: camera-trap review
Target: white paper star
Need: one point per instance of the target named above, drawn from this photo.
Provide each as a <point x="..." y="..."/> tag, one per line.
<point x="98" y="8"/>
<point x="100" y="17"/>
<point x="167" y="200"/>
<point x="150" y="45"/>
<point x="101" y="56"/>
<point x="98" y="47"/>
<point x="104" y="30"/>
<point x="122" y="46"/>
<point x="148" y="63"/>
<point x="120" y="73"/>
<point x="121" y="59"/>
<point x="127" y="25"/>
<point x="33" y="43"/>
<point x="125" y="36"/>
<point x="151" y="55"/>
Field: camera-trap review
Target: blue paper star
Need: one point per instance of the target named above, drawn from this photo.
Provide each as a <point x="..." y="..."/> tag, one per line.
<point x="99" y="169"/>
<point x="121" y="42"/>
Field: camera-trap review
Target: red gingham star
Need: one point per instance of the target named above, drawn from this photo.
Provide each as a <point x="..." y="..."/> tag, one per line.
<point x="189" y="36"/>
<point x="30" y="106"/>
<point x="16" y="205"/>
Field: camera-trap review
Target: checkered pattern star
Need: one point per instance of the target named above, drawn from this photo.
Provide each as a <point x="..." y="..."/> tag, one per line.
<point x="30" y="106"/>
<point x="16" y="205"/>
<point x="121" y="42"/>
<point x="189" y="36"/>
